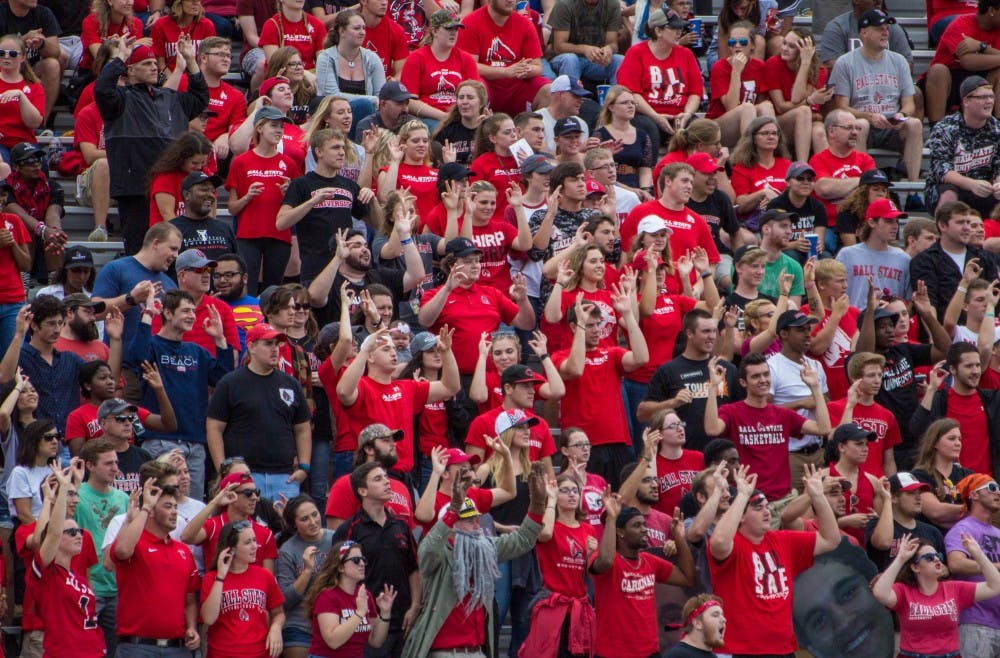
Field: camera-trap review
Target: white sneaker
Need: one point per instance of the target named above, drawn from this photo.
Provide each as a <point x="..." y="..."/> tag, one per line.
<point x="99" y="234"/>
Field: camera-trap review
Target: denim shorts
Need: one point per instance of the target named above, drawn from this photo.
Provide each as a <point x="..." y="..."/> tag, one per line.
<point x="295" y="637"/>
<point x="5" y="520"/>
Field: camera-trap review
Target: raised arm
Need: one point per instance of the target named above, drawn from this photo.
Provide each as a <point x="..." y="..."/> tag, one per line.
<point x="720" y="545"/>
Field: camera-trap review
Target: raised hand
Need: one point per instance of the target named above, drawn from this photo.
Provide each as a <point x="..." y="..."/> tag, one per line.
<point x="809" y="376"/>
<point x="213" y="325"/>
<point x="539" y="343"/>
<point x="439" y="460"/>
<point x="225" y="561"/>
<point x="385" y="600"/>
<point x="361" y="601"/>
<point x="612" y="503"/>
<point x="922" y="300"/>
<point x="519" y="288"/>
<point x="445" y="337"/>
<point x="309" y="559"/>
<point x="114" y="323"/>
<point x="151" y="375"/>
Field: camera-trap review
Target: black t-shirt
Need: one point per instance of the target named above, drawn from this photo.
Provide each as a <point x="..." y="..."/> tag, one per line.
<point x="882" y="559"/>
<point x="899" y="388"/>
<point x="717" y="209"/>
<point x="740" y="302"/>
<point x="69" y="14"/>
<point x="260" y="413"/>
<point x="811" y="214"/>
<point x="461" y="138"/>
<point x="323" y="221"/>
<point x="212" y="236"/>
<point x="682" y="372"/>
<point x="391" y="279"/>
<point x="847" y="222"/>
<point x="682" y="650"/>
<point x="36" y="18"/>
<point x="127" y="479"/>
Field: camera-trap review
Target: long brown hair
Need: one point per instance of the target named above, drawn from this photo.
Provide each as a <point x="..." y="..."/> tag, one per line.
<point x="328" y="576"/>
<point x="277" y="67"/>
<point x="25" y="69"/>
<point x="697" y="133"/>
<point x="928" y="450"/>
<point x="814" y="63"/>
<point x="488" y="128"/>
<point x="745" y="153"/>
<point x="453" y="116"/>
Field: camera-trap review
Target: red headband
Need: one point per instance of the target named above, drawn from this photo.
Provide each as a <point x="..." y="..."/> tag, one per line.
<point x="699" y="610"/>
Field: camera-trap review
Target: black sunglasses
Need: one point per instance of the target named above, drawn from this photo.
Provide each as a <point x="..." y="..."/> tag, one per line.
<point x="72" y="532"/>
<point x="358" y="560"/>
<point x="249" y="493"/>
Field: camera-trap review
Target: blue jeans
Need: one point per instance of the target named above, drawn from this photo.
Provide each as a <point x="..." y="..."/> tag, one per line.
<point x="633" y="393"/>
<point x="273" y="485"/>
<point x="321" y="466"/>
<point x="518" y="602"/>
<point x="224" y="27"/>
<point x="194" y="455"/>
<point x="581" y="68"/>
<point x="343" y="464"/>
<point x="8" y="322"/>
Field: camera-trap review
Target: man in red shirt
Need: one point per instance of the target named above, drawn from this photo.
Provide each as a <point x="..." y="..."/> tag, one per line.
<point x="79" y="335"/>
<point x="954" y="61"/>
<point x="594" y="373"/>
<point x="839" y="168"/>
<point x="506" y="47"/>
<point x="228" y="103"/>
<point x="689" y="229"/>
<point x="152" y="567"/>
<point x="753" y="567"/>
<point x="384" y="36"/>
<point x="376" y="396"/>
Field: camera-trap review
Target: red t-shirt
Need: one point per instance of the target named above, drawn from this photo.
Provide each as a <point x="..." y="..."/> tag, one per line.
<point x="541" y="444"/>
<point x="437" y="220"/>
<point x="483" y="498"/>
<point x="761" y="438"/>
<point x="293" y="146"/>
<point x="990" y="379"/>
<point x="674" y="477"/>
<point x="435" y="82"/>
<point x="82" y="422"/>
<point x="80" y="565"/>
<point x="756" y="579"/>
<point x="594" y="401"/>
<point x="86" y="98"/>
<point x="591" y="501"/>
<point x="393" y="404"/>
<point x="747" y="180"/>
<point x="563" y="559"/>
<point x="89" y="350"/>
<point x="690" y="229"/>
<point x="256" y="220"/>
<point x="498" y="46"/>
<point x="266" y="547"/>
<point x="559" y="335"/>
<point x="754" y="85"/>
<point x="231" y="107"/>
<point x="387" y="40"/>
<point x="342" y="503"/>
<point x="197" y="333"/>
<point x="460" y="629"/>
<point x="166" y="32"/>
<point x="334" y="600"/>
<point x="470" y="312"/>
<point x="11" y="286"/>
<point x="89" y="127"/>
<point x="499" y="170"/>
<point x="12" y="128"/>
<point x="873" y="418"/>
<point x="828" y="165"/>
<point x="494" y="240"/>
<point x="835" y="356"/>
<point x="929" y="624"/>
<point x="91" y="34"/>
<point x="625" y="598"/>
<point x="968" y="411"/>
<point x="70" y="609"/>
<point x="665" y="83"/>
<point x="160" y="570"/>
<point x="169" y="182"/>
<point x="347" y="437"/>
<point x="241" y="629"/>
<point x="958" y="29"/>
<point x="780" y="77"/>
<point x="421" y="179"/>
<point x="661" y="330"/>
<point x="306" y="36"/>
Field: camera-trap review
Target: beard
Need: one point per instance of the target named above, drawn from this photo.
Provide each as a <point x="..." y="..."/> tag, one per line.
<point x="357" y="264"/>
<point x="233" y="294"/>
<point x="83" y="330"/>
<point x="386" y="459"/>
<point x="713" y="639"/>
<point x="474" y="569"/>
<point x="645" y="498"/>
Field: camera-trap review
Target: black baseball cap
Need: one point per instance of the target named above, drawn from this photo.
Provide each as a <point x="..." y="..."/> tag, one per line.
<point x="461" y="247"/>
<point x="198" y="177"/>
<point x="25" y="151"/>
<point x="873" y="177"/>
<point x="395" y="91"/>
<point x="875" y="18"/>
<point x="78" y="256"/>
<point x="794" y="319"/>
<point x="852" y="432"/>
<point x="453" y="171"/>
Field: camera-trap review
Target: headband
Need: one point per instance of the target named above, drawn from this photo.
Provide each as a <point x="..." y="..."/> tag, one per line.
<point x="697" y="612"/>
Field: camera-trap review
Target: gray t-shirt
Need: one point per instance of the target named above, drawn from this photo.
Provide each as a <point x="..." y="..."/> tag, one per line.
<point x="875" y="86"/>
<point x="841" y="35"/>
<point x="890" y="271"/>
<point x="288" y="568"/>
<point x="586" y="23"/>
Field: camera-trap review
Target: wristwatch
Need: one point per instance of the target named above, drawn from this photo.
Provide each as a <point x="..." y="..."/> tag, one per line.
<point x="130" y="300"/>
<point x="983" y="46"/>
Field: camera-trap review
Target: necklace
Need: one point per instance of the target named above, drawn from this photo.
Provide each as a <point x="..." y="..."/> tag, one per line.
<point x="351" y="62"/>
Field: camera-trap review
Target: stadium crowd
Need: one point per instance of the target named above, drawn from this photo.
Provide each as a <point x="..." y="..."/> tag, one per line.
<point x="591" y="319"/>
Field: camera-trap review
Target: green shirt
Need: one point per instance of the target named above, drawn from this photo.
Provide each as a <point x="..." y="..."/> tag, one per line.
<point x="94" y="513"/>
<point x="769" y="285"/>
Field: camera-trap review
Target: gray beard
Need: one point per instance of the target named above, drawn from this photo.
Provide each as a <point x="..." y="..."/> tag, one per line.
<point x="474" y="569"/>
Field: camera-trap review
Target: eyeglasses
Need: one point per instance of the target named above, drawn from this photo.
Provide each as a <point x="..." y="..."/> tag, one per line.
<point x="579" y="444"/>
<point x="73" y="532"/>
<point x="992" y="487"/>
<point x="227" y="275"/>
<point x="9" y="54"/>
<point x="804" y="179"/>
<point x="224" y="54"/>
<point x="249" y="493"/>
<point x="294" y="65"/>
<point x="569" y="491"/>
<point x="742" y="42"/>
<point x="357" y="560"/>
<point x="124" y="419"/>
<point x="930" y="557"/>
<point x="982" y="97"/>
<point x="606" y="167"/>
<point x="52" y="436"/>
<point x="679" y="425"/>
<point x="852" y="129"/>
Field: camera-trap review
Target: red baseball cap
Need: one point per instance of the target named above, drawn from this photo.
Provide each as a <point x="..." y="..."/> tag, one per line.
<point x="264" y="332"/>
<point x="703" y="162"/>
<point x="140" y="54"/>
<point x="883" y="209"/>
<point x="593" y="187"/>
<point x="236" y="478"/>
<point x="271" y="83"/>
<point x="458" y="456"/>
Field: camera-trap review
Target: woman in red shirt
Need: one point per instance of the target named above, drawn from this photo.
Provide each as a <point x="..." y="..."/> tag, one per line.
<point x="564" y="547"/>
<point x="738" y="86"/>
<point x="341" y="606"/>
<point x="492" y="159"/>
<point x="700" y="136"/>
<point x="434" y="71"/>
<point x="927" y="605"/>
<point x="286" y="62"/>
<point x="432" y="428"/>
<point x="652" y="234"/>
<point x="257" y="182"/>
<point x="185" y="17"/>
<point x="109" y="18"/>
<point x="496" y="238"/>
<point x="760" y="161"/>
<point x="503" y="349"/>
<point x="798" y="90"/>
<point x="410" y="168"/>
<point x="241" y="602"/>
<point x="583" y="272"/>
<point x="22" y="99"/>
<point x="189" y="152"/>
<point x="292" y="26"/>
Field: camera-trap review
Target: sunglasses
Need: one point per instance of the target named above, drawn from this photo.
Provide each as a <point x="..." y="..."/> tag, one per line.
<point x="52" y="436"/>
<point x="240" y="526"/>
<point x="229" y="461"/>
<point x="299" y="307"/>
<point x="249" y="493"/>
<point x="124" y="419"/>
<point x="9" y="53"/>
<point x="992" y="487"/>
<point x="930" y="557"/>
<point x="805" y="179"/>
<point x="742" y="42"/>
<point x="73" y="532"/>
<point x="357" y="559"/>
<point x="29" y="162"/>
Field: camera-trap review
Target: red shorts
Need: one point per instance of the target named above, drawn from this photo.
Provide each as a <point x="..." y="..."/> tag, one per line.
<point x="512" y="96"/>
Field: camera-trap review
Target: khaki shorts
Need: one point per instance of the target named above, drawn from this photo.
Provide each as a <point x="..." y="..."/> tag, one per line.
<point x="31" y="644"/>
<point x="84" y="182"/>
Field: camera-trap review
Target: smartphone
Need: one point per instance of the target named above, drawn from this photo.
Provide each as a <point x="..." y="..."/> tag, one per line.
<point x="828" y="86"/>
<point x="895" y="120"/>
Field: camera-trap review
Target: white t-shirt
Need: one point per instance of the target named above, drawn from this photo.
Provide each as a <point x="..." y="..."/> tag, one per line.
<point x="787" y="385"/>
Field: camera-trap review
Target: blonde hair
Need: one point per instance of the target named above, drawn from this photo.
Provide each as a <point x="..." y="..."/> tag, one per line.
<point x="412" y="126"/>
<point x="25" y="69"/>
<point x="318" y="122"/>
<point x="604" y="118"/>
<point x="496" y="462"/>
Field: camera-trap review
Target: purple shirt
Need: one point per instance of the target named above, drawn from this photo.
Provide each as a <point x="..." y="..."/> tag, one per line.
<point x="986" y="613"/>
